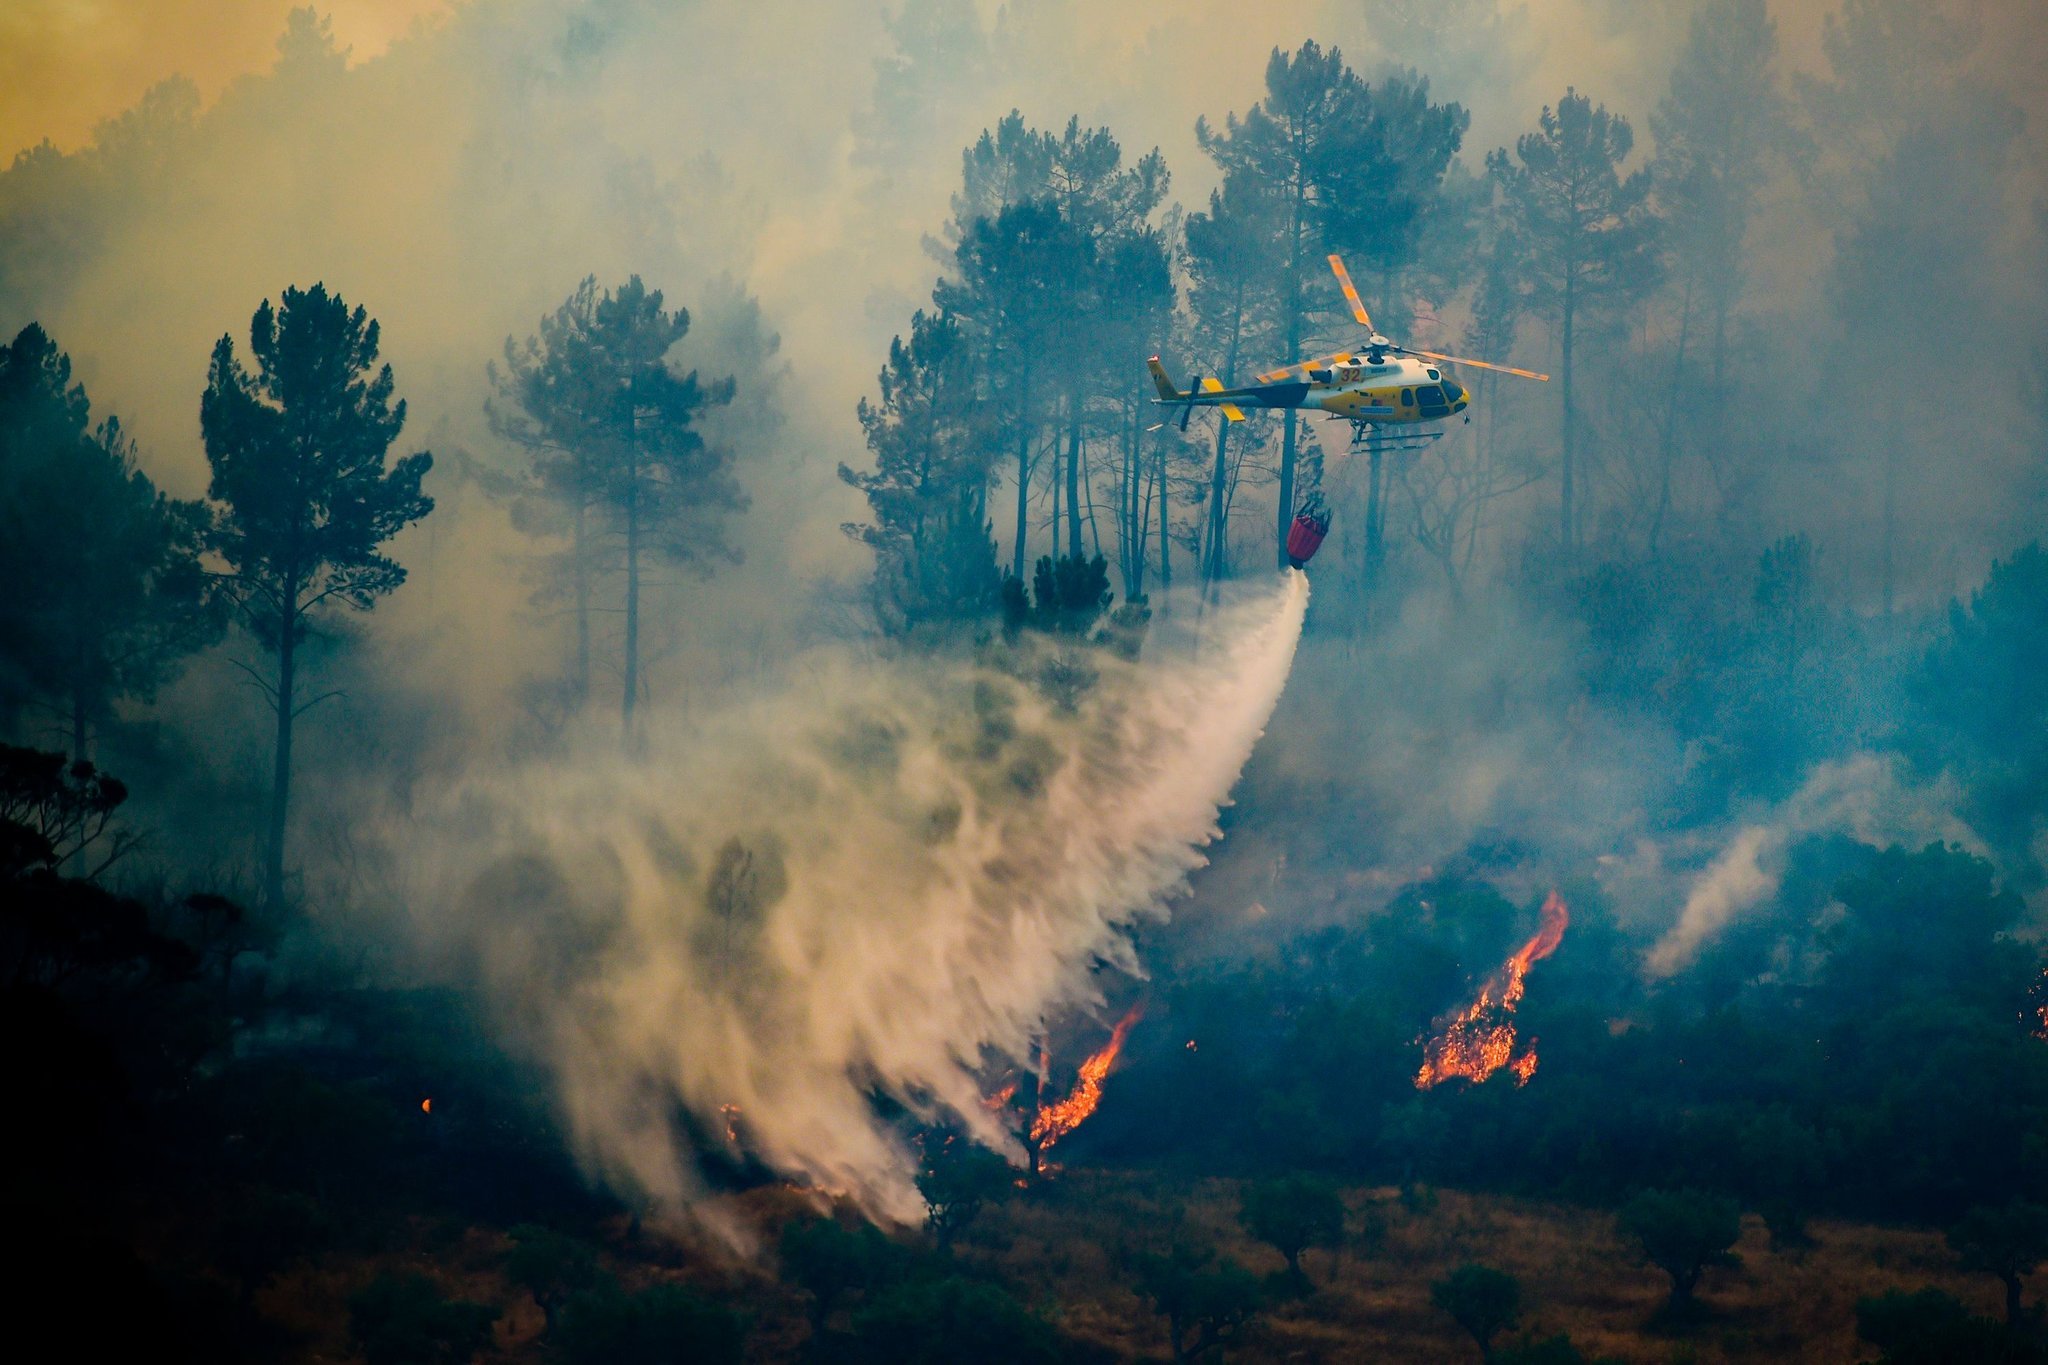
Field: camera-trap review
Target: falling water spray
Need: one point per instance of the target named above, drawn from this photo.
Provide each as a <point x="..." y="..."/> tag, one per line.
<point x="875" y="882"/>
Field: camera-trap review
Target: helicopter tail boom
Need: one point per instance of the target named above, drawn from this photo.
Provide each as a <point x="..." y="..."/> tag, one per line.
<point x="1208" y="392"/>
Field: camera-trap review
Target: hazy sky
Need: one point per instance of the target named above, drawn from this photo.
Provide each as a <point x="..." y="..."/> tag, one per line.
<point x="66" y="64"/>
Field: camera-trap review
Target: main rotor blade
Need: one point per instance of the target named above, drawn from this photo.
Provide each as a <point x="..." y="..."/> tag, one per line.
<point x="1334" y="358"/>
<point x="1476" y="364"/>
<point x="1350" y="292"/>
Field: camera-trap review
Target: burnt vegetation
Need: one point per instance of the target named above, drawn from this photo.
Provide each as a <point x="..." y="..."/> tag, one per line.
<point x="1712" y="623"/>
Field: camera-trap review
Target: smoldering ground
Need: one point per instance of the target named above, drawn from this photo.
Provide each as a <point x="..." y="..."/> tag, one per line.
<point x="873" y="882"/>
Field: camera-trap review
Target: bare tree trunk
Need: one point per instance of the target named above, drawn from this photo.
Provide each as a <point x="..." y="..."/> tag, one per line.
<point x="1669" y="454"/>
<point x="1213" y="559"/>
<point x="281" y="770"/>
<point x="1567" y="528"/>
<point x="1054" y="525"/>
<point x="632" y="668"/>
<point x="1491" y="418"/>
<point x="1131" y="518"/>
<point x="1165" y="542"/>
<point x="1094" y="526"/>
<point x="1284" y="502"/>
<point x="1074" y="475"/>
<point x="579" y="555"/>
<point x="1023" y="473"/>
<point x="78" y="755"/>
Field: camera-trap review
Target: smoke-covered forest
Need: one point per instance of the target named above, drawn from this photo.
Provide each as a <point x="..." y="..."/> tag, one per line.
<point x="631" y="730"/>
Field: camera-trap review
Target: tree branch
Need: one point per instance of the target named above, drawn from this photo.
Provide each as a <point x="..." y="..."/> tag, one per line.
<point x="324" y="696"/>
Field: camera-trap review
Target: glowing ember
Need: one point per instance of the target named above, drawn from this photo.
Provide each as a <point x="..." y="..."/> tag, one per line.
<point x="427" y="1105"/>
<point x="1055" y="1121"/>
<point x="731" y="1115"/>
<point x="1480" y="1039"/>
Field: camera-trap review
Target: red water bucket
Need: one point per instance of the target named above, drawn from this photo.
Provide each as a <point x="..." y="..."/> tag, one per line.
<point x="1305" y="537"/>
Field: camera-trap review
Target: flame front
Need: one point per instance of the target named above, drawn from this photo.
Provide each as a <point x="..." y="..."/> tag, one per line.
<point x="1055" y="1121"/>
<point x="1480" y="1039"/>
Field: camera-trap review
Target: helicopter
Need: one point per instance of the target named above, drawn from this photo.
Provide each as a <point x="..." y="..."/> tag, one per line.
<point x="1379" y="384"/>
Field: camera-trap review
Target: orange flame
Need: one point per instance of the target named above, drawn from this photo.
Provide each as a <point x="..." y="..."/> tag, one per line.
<point x="1055" y="1121"/>
<point x="1480" y="1039"/>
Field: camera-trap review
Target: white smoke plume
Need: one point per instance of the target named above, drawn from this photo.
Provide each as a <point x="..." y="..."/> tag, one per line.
<point x="877" y="881"/>
<point x="1864" y="796"/>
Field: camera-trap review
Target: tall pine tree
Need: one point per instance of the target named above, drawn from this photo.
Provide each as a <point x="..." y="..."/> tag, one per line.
<point x="108" y="594"/>
<point x="612" y="429"/>
<point x="1586" y="236"/>
<point x="304" y="499"/>
<point x="1344" y="165"/>
<point x="928" y="492"/>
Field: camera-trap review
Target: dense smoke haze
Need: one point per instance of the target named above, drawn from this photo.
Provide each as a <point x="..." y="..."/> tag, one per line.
<point x="768" y="688"/>
<point x="459" y="177"/>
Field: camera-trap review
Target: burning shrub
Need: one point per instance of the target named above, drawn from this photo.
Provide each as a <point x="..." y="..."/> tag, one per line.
<point x="1054" y="1121"/>
<point x="1480" y="1039"/>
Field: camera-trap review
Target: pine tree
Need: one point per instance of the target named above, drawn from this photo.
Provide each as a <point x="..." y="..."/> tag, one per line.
<point x="1058" y="277"/>
<point x="303" y="498"/>
<point x="108" y="594"/>
<point x="928" y="492"/>
<point x="544" y="402"/>
<point x="1344" y="165"/>
<point x="1716" y="131"/>
<point x="1011" y="292"/>
<point x="1305" y="140"/>
<point x="1586" y="234"/>
<point x="1897" y="115"/>
<point x="612" y="428"/>
<point x="1235" y="283"/>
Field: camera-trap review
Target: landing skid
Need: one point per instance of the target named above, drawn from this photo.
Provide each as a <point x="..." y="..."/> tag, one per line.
<point x="1365" y="434"/>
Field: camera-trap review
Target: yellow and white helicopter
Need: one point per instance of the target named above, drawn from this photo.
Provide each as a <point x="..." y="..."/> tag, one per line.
<point x="1379" y="384"/>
